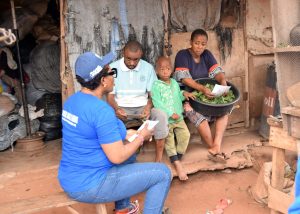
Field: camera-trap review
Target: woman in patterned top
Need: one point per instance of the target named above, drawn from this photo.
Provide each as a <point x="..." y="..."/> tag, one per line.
<point x="198" y="62"/>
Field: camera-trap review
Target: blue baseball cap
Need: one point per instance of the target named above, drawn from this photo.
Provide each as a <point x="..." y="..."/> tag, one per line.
<point x="89" y="64"/>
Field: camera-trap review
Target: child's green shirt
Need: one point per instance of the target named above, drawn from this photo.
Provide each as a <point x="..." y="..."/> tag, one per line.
<point x="168" y="98"/>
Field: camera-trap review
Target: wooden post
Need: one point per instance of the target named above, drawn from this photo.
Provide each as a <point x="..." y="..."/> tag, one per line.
<point x="278" y="164"/>
<point x="279" y="201"/>
<point x="65" y="71"/>
<point x="101" y="209"/>
<point x="245" y="95"/>
<point x="72" y="210"/>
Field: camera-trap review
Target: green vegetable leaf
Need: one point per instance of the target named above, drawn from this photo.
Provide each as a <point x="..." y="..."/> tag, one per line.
<point x="216" y="100"/>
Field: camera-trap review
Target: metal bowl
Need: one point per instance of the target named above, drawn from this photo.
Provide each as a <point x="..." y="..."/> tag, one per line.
<point x="209" y="109"/>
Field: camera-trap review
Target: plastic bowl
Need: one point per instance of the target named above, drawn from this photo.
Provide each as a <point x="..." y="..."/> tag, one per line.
<point x="209" y="109"/>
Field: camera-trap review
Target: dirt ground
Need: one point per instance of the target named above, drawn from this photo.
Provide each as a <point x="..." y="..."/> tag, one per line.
<point x="203" y="190"/>
<point x="199" y="194"/>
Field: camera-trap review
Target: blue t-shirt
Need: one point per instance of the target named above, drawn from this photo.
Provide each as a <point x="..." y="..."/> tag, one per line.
<point x="184" y="62"/>
<point x="87" y="123"/>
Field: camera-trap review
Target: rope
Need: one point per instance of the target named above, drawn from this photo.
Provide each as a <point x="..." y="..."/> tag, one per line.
<point x="6" y="36"/>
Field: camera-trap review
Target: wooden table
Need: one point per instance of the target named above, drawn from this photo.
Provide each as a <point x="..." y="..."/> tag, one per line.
<point x="279" y="201"/>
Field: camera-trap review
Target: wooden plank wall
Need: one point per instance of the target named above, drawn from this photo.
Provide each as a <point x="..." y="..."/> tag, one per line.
<point x="259" y="39"/>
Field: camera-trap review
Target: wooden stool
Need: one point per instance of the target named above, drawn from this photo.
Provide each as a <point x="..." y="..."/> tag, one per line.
<point x="23" y="192"/>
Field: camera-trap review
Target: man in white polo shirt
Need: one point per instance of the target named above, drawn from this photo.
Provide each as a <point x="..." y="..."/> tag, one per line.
<point x="131" y="95"/>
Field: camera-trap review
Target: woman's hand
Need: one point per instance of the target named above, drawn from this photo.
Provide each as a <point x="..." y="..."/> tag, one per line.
<point x="224" y="83"/>
<point x="188" y="95"/>
<point x="146" y="133"/>
<point x="207" y="92"/>
<point x="130" y="132"/>
<point x="187" y="107"/>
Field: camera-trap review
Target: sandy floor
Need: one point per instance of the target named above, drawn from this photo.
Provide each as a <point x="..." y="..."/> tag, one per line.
<point x="200" y="193"/>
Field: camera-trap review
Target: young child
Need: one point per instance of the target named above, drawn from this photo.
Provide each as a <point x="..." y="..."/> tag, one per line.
<point x="166" y="95"/>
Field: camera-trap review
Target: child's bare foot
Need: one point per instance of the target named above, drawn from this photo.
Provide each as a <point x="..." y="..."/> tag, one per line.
<point x="180" y="171"/>
<point x="159" y="146"/>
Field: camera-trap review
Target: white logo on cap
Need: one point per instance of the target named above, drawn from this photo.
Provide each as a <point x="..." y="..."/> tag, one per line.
<point x="95" y="71"/>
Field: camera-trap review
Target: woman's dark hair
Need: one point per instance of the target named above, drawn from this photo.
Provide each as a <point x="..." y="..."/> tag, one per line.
<point x="198" y="32"/>
<point x="95" y="82"/>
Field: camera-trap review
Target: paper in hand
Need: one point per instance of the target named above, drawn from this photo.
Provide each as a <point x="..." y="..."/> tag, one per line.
<point x="151" y="125"/>
<point x="219" y="90"/>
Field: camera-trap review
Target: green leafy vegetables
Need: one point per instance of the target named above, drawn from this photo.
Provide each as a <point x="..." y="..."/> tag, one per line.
<point x="216" y="100"/>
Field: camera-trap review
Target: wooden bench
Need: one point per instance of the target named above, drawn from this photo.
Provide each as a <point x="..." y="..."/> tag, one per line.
<point x="34" y="191"/>
<point x="40" y="203"/>
<point x="279" y="201"/>
<point x="133" y="124"/>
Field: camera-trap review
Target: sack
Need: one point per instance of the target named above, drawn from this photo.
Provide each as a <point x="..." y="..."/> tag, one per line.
<point x="6" y="104"/>
<point x="12" y="128"/>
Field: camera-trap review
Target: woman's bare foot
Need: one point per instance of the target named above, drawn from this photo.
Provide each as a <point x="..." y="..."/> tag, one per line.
<point x="214" y="149"/>
<point x="181" y="172"/>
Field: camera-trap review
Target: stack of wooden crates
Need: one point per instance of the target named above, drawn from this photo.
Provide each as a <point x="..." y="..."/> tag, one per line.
<point x="285" y="16"/>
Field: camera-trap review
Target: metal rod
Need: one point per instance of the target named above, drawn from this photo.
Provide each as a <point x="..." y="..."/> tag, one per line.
<point x="24" y="101"/>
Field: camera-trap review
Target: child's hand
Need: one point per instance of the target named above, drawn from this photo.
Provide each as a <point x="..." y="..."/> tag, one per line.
<point x="175" y="116"/>
<point x="187" y="107"/>
<point x="146" y="113"/>
<point x="188" y="95"/>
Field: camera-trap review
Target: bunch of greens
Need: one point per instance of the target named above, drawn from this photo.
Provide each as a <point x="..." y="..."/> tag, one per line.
<point x="216" y="100"/>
